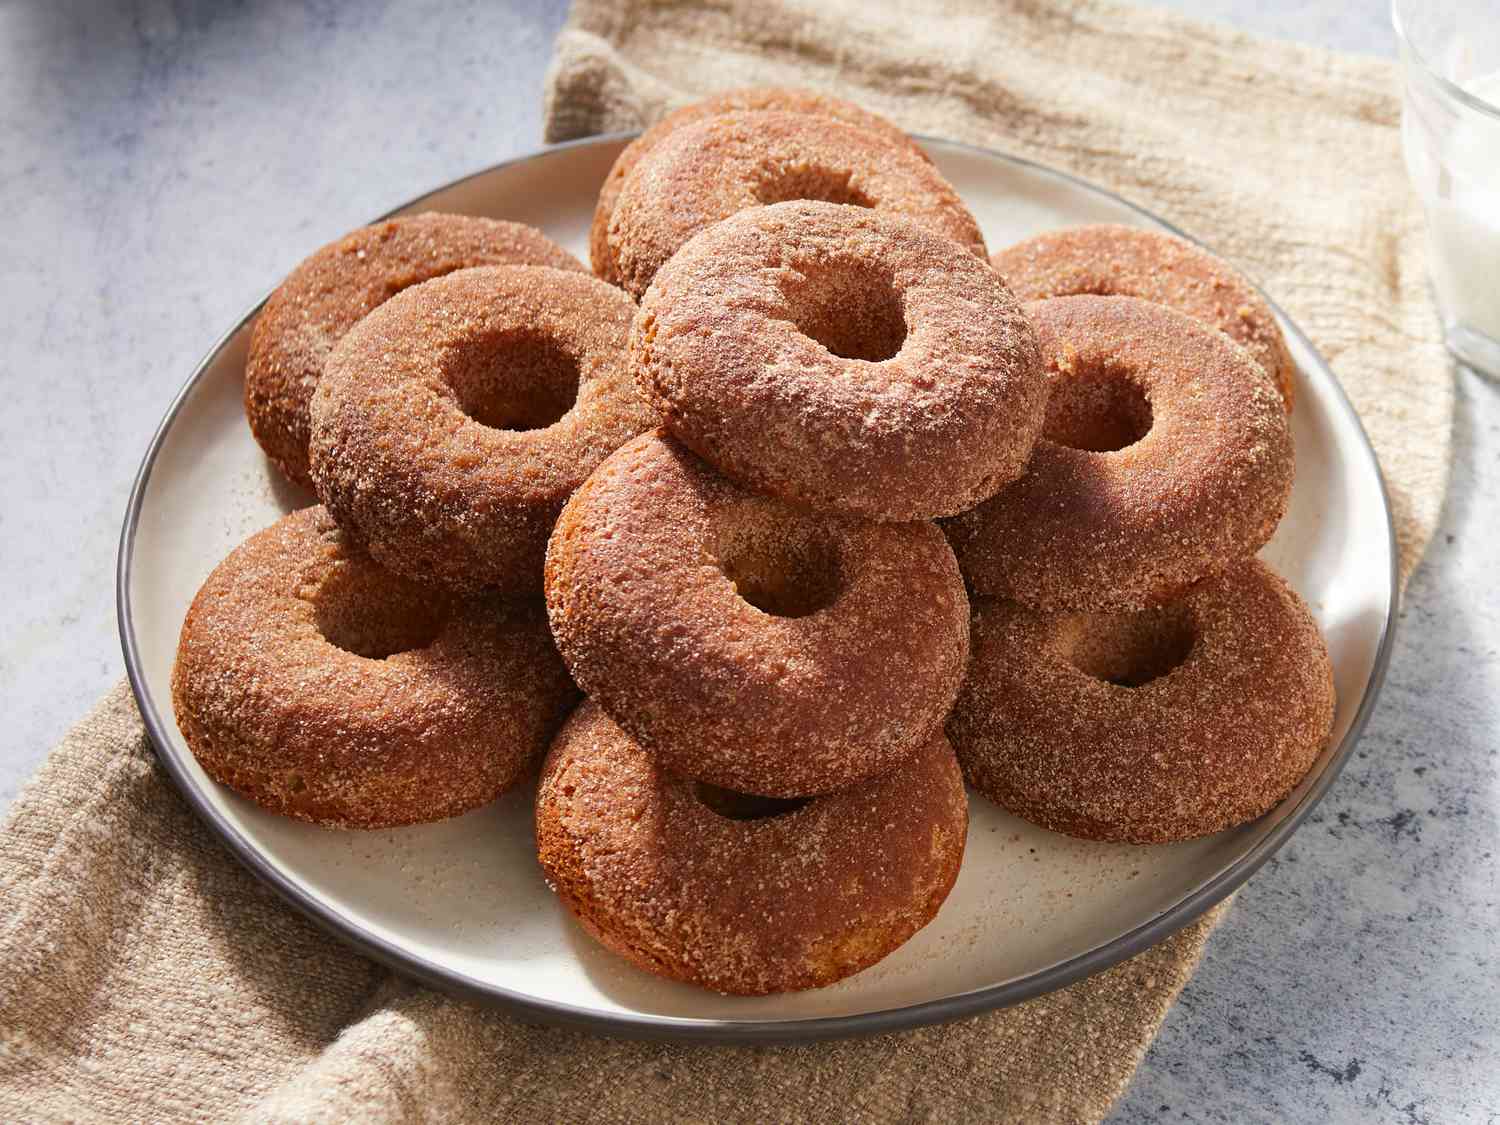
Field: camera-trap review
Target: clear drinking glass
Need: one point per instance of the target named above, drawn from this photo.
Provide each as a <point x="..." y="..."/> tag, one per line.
<point x="1450" y="128"/>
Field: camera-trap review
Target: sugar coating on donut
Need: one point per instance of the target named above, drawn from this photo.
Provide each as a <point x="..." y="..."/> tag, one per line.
<point x="454" y="421"/>
<point x="773" y="904"/>
<point x="705" y="172"/>
<point x="751" y="98"/>
<point x="1161" y="725"/>
<point x="746" y="643"/>
<point x="1165" y="457"/>
<point x="1110" y="260"/>
<point x="325" y="688"/>
<point x="333" y="288"/>
<point x="843" y="360"/>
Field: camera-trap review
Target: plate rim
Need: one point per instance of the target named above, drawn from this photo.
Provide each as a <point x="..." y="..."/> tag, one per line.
<point x="645" y="1026"/>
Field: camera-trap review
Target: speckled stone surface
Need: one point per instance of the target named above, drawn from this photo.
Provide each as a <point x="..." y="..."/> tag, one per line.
<point x="162" y="164"/>
<point x="1356" y="977"/>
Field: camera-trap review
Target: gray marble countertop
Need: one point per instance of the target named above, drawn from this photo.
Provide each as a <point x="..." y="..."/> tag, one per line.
<point x="163" y="163"/>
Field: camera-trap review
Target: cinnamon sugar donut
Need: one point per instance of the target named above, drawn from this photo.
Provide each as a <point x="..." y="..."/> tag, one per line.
<point x="1165" y="456"/>
<point x="454" y="421"/>
<point x="1161" y="725"/>
<point x="325" y="688"/>
<point x="677" y="881"/>
<point x="702" y="173"/>
<point x="332" y="289"/>
<point x="1109" y="260"/>
<point x="843" y="359"/>
<point x="746" y="643"/>
<point x="751" y="98"/>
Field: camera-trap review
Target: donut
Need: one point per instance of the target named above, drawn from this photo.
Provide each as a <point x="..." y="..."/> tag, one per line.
<point x="1144" y="728"/>
<point x="702" y="173"/>
<point x="842" y="359"/>
<point x="453" y="422"/>
<point x="746" y="643"/>
<point x="330" y="291"/>
<point x="1165" y="456"/>
<point x="325" y="688"/>
<point x="744" y="896"/>
<point x="1109" y="260"/>
<point x="749" y="98"/>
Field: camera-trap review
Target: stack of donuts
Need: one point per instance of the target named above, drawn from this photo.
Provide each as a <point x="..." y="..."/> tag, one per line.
<point x="762" y="541"/>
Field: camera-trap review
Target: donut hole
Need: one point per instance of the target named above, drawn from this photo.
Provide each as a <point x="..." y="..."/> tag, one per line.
<point x="375" y="614"/>
<point x="734" y="805"/>
<point x="1097" y="411"/>
<point x="852" y="310"/>
<point x="784" y="567"/>
<point x="785" y="183"/>
<point x="1131" y="649"/>
<point x="515" y="380"/>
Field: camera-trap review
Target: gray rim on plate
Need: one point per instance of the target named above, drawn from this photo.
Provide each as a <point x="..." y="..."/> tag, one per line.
<point x="766" y="1031"/>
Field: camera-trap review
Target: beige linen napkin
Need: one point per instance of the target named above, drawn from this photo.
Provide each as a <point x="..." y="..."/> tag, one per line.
<point x="144" y="974"/>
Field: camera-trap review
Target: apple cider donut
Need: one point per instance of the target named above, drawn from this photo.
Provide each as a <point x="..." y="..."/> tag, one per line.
<point x="702" y="173"/>
<point x="743" y="642"/>
<point x="750" y="98"/>
<point x="843" y="359"/>
<point x="325" y="688"/>
<point x="1109" y="260"/>
<point x="1148" y="727"/>
<point x="1165" y="456"/>
<point x="744" y="896"/>
<point x="332" y="289"/>
<point x="454" y="421"/>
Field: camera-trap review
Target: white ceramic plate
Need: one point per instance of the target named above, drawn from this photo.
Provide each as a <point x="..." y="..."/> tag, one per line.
<point x="462" y="904"/>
